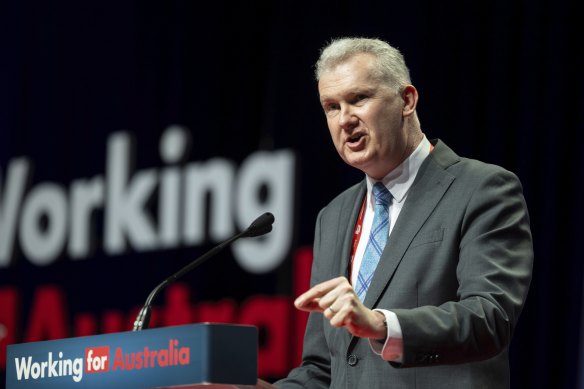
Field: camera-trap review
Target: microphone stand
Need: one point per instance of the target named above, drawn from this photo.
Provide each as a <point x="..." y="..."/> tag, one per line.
<point x="257" y="228"/>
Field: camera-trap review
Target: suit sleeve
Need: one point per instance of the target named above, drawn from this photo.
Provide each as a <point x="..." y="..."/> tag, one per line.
<point x="495" y="257"/>
<point x="314" y="371"/>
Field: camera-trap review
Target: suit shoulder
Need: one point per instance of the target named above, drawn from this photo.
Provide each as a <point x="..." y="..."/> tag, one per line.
<point x="472" y="170"/>
<point x="445" y="158"/>
<point x="348" y="196"/>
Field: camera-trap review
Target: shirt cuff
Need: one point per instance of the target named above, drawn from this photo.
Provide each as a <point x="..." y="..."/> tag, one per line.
<point x="393" y="348"/>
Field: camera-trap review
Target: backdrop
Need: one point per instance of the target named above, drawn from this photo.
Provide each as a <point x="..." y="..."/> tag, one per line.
<point x="134" y="136"/>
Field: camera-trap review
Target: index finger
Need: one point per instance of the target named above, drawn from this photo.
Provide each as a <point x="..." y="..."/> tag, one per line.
<point x="308" y="301"/>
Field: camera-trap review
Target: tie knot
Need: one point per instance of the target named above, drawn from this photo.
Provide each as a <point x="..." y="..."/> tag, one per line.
<point x="382" y="195"/>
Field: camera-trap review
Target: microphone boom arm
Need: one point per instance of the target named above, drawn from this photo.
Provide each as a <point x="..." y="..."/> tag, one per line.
<point x="262" y="225"/>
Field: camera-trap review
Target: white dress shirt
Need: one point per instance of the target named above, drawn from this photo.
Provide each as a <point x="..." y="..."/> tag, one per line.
<point x="398" y="182"/>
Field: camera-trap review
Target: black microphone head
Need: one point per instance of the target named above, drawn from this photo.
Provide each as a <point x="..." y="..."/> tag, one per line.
<point x="259" y="231"/>
<point x="260" y="226"/>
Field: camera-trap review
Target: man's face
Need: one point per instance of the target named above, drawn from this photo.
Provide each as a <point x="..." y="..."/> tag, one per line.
<point x="364" y="116"/>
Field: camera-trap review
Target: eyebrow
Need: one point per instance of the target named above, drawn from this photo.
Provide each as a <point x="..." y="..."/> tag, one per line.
<point x="351" y="92"/>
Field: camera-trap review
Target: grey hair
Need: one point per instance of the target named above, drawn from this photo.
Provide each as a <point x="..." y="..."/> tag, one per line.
<point x="390" y="66"/>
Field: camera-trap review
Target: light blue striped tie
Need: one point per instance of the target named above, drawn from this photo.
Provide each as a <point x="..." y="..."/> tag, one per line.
<point x="377" y="239"/>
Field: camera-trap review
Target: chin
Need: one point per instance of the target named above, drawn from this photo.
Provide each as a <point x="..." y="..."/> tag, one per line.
<point x="360" y="165"/>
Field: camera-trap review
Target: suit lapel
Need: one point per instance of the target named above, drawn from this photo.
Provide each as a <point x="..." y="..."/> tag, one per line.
<point x="347" y="221"/>
<point x="430" y="185"/>
<point x="345" y="230"/>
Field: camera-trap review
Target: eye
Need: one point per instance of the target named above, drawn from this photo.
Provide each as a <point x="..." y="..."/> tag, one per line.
<point x="360" y="98"/>
<point x="331" y="108"/>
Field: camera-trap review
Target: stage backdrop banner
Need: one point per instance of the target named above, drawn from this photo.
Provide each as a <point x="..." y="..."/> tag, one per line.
<point x="136" y="136"/>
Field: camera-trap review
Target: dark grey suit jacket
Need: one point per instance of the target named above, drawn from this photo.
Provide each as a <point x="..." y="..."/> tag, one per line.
<point x="456" y="271"/>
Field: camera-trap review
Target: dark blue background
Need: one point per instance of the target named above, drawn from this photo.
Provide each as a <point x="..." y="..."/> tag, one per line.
<point x="499" y="81"/>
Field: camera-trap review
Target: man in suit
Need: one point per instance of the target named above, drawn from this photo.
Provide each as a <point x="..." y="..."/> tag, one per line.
<point x="421" y="270"/>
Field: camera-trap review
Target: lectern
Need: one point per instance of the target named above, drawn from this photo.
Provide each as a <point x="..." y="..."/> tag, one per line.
<point x="189" y="356"/>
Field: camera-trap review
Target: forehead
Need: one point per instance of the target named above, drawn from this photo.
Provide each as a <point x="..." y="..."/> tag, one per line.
<point x="354" y="73"/>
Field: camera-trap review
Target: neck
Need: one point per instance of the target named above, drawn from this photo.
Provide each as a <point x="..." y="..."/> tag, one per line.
<point x="412" y="142"/>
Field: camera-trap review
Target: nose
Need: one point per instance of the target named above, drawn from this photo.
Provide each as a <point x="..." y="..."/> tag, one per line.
<point x="347" y="118"/>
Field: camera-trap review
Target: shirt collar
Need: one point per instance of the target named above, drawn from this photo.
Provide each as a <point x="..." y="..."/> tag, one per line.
<point x="400" y="179"/>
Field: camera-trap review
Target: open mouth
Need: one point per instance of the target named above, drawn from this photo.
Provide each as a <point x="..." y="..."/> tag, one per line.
<point x="355" y="138"/>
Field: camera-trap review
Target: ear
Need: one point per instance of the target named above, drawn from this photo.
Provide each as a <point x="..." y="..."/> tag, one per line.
<point x="410" y="97"/>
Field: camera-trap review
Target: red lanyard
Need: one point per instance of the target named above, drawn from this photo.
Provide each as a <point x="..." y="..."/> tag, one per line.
<point x="357" y="236"/>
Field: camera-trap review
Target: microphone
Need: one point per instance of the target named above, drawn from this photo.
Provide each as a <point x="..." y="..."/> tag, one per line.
<point x="260" y="226"/>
